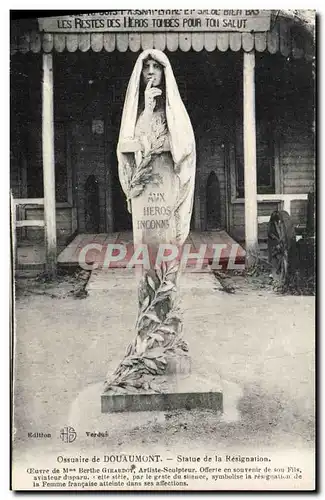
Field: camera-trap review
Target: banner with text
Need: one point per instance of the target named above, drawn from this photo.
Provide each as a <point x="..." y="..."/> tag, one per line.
<point x="160" y="20"/>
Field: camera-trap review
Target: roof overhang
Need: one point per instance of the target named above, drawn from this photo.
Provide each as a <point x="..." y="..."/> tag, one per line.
<point x="285" y="36"/>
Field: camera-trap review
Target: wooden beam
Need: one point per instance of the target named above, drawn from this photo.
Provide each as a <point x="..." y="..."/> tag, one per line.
<point x="28" y="201"/>
<point x="263" y="219"/>
<point x="287" y="205"/>
<point x="13" y="216"/>
<point x="49" y="165"/>
<point x="250" y="181"/>
<point x="282" y="197"/>
<point x="29" y="223"/>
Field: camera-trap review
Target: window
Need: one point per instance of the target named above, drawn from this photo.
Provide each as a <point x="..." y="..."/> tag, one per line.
<point x="264" y="160"/>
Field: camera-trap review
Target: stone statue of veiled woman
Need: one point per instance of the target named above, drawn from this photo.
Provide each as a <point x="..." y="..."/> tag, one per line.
<point x="155" y="114"/>
<point x="156" y="162"/>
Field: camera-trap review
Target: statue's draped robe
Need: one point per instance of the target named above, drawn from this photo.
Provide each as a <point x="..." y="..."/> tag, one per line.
<point x="176" y="168"/>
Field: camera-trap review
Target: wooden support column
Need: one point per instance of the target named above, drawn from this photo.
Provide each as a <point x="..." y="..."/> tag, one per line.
<point x="13" y="219"/>
<point x="49" y="165"/>
<point x="250" y="177"/>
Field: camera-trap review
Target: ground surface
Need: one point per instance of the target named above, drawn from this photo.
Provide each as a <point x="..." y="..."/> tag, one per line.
<point x="254" y="345"/>
<point x="258" y="343"/>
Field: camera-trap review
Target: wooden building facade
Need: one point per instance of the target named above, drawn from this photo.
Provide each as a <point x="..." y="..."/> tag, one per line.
<point x="218" y="74"/>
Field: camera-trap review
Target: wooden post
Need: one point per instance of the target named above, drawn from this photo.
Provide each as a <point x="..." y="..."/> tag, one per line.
<point x="13" y="217"/>
<point x="49" y="165"/>
<point x="251" y="236"/>
<point x="23" y="193"/>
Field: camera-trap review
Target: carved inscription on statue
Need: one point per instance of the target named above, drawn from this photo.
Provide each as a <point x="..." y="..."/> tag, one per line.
<point x="156" y="214"/>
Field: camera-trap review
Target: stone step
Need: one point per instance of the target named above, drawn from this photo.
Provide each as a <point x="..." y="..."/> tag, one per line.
<point x="181" y="392"/>
<point x="124" y="279"/>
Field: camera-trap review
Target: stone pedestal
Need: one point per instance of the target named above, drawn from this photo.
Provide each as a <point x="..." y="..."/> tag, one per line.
<point x="178" y="389"/>
<point x="181" y="392"/>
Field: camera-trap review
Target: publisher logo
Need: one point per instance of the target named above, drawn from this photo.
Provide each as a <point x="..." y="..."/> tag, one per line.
<point x="68" y="434"/>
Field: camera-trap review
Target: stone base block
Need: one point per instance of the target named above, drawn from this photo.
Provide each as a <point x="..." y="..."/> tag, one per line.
<point x="180" y="365"/>
<point x="180" y="392"/>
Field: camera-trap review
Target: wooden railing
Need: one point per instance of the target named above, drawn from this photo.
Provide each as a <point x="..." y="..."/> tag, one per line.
<point x="15" y="204"/>
<point x="284" y="199"/>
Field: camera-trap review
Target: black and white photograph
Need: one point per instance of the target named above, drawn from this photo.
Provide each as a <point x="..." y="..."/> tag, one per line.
<point x="163" y="250"/>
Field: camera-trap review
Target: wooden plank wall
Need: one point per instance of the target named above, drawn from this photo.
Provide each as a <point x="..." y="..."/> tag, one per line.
<point x="297" y="164"/>
<point x="210" y="158"/>
<point x="89" y="159"/>
<point x="298" y="168"/>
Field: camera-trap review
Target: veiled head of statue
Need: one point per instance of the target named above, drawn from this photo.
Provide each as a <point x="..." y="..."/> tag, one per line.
<point x="152" y="70"/>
